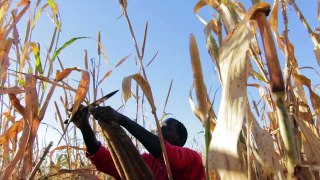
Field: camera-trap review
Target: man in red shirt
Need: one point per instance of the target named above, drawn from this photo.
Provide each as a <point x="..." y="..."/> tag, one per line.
<point x="184" y="163"/>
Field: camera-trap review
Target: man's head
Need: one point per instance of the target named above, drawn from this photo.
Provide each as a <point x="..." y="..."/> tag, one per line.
<point x="174" y="132"/>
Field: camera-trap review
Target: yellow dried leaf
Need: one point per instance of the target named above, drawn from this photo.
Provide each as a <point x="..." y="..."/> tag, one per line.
<point x="81" y="91"/>
<point x="65" y="73"/>
<point x="12" y="131"/>
<point x="23" y="3"/>
<point x="9" y="116"/>
<point x="126" y="88"/>
<point x="198" y="6"/>
<point x="214" y="26"/>
<point x="274" y="17"/>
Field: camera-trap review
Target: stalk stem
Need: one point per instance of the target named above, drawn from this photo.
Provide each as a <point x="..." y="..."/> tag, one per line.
<point x="278" y="91"/>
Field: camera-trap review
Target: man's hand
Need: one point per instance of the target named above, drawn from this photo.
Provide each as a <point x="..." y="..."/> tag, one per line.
<point x="81" y="118"/>
<point x="107" y="114"/>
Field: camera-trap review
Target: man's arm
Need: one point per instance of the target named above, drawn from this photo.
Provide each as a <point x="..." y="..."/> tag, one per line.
<point x="81" y="121"/>
<point x="98" y="154"/>
<point x="150" y="141"/>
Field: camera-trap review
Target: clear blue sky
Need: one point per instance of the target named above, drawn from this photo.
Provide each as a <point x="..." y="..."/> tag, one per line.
<point x="170" y="24"/>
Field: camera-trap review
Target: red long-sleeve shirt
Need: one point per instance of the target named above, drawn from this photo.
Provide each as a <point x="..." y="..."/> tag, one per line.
<point x="185" y="163"/>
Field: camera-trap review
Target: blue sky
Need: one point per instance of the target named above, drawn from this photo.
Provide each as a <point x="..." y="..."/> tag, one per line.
<point x="170" y="25"/>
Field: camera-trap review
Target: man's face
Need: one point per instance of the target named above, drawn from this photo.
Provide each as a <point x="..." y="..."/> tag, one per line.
<point x="169" y="131"/>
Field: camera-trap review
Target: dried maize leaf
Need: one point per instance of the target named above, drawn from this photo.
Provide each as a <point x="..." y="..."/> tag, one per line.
<point x="81" y="91"/>
<point x="227" y="17"/>
<point x="12" y="90"/>
<point x="271" y="168"/>
<point x="4" y="59"/>
<point x="64" y="147"/>
<point x="317" y="53"/>
<point x="126" y="88"/>
<point x="198" y="6"/>
<point x="61" y="75"/>
<point x="274" y="17"/>
<point x="121" y="61"/>
<point x="314" y="98"/>
<point x="105" y="76"/>
<point x="193" y="106"/>
<point x="12" y="131"/>
<point x="16" y="104"/>
<point x="223" y="157"/>
<point x="23" y="3"/>
<point x="313" y="142"/>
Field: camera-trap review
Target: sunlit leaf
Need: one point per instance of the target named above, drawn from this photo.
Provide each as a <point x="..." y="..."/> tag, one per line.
<point x="121" y="61"/>
<point x="5" y="59"/>
<point x="313" y="141"/>
<point x="105" y="76"/>
<point x="314" y="98"/>
<point x="62" y="160"/>
<point x="61" y="75"/>
<point x="53" y="6"/>
<point x="265" y="147"/>
<point x="66" y="44"/>
<point x="36" y="53"/>
<point x="38" y="15"/>
<point x="274" y="16"/>
<point x="24" y="3"/>
<point x="227" y="17"/>
<point x="126" y="88"/>
<point x="198" y="6"/>
<point x="81" y="91"/>
<point x="193" y="106"/>
<point x="12" y="131"/>
<point x="200" y="87"/>
<point x="317" y="53"/>
<point x="223" y="157"/>
<point x="258" y="76"/>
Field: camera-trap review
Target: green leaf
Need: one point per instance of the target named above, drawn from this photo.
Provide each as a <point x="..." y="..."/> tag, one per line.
<point x="66" y="44"/>
<point x="36" y="53"/>
<point x="258" y="76"/>
<point x="38" y="15"/>
<point x="62" y="160"/>
<point x="53" y="6"/>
